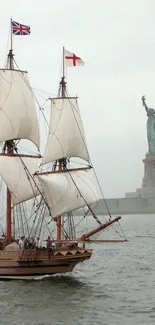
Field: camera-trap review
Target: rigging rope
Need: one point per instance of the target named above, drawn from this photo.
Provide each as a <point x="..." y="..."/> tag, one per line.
<point x="73" y="108"/>
<point x="28" y="85"/>
<point x="29" y="176"/>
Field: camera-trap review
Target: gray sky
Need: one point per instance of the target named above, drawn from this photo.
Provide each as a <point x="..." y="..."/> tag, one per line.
<point x="116" y="39"/>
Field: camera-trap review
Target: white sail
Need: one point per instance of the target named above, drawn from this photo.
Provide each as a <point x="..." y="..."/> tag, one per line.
<point x="69" y="190"/>
<point x="66" y="134"/>
<point x="18" y="119"/>
<point x="16" y="173"/>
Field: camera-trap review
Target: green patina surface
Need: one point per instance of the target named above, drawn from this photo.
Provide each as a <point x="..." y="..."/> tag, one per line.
<point x="150" y="127"/>
<point x="151" y="132"/>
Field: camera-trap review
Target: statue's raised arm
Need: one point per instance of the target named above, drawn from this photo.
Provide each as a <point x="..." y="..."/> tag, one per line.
<point x="144" y="104"/>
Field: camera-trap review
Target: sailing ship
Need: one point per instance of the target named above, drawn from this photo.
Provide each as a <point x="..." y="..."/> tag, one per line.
<point x="43" y="192"/>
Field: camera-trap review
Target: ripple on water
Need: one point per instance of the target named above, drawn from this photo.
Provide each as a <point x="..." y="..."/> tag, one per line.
<point x="115" y="287"/>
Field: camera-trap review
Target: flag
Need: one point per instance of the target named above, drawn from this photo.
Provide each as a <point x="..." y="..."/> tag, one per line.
<point x="19" y="29"/>
<point x="72" y="60"/>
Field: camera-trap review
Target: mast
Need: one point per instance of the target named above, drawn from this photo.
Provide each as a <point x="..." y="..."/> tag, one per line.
<point x="59" y="224"/>
<point x="15" y="109"/>
<point x="9" y="220"/>
<point x="60" y="162"/>
<point x="67" y="190"/>
<point x="9" y="150"/>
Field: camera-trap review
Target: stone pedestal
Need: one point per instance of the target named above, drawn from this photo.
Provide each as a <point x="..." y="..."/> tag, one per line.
<point x="149" y="172"/>
<point x="148" y="182"/>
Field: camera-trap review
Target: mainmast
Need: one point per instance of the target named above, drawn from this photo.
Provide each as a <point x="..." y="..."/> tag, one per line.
<point x="62" y="93"/>
<point x="9" y="151"/>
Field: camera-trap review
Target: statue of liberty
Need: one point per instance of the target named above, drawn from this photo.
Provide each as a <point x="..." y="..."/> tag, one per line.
<point x="150" y="127"/>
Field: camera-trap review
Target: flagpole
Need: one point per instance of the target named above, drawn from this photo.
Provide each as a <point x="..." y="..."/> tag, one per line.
<point x="10" y="55"/>
<point x="11" y="36"/>
<point x="63" y="71"/>
<point x="63" y="83"/>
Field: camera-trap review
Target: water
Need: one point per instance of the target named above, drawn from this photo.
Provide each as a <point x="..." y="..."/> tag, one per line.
<point x="117" y="286"/>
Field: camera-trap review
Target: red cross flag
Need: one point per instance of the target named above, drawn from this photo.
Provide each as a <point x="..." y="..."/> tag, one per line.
<point x="72" y="60"/>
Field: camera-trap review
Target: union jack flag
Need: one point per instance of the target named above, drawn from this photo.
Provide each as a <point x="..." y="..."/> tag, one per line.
<point x="19" y="29"/>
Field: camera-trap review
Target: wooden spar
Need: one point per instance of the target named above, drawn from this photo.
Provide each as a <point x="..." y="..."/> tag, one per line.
<point x="75" y="241"/>
<point x="20" y="155"/>
<point x="97" y="241"/>
<point x="9" y="230"/>
<point x="9" y="221"/>
<point x="63" y="86"/>
<point x="64" y="170"/>
<point x="9" y="152"/>
<point x="58" y="219"/>
<point x="96" y="230"/>
<point x="84" y="238"/>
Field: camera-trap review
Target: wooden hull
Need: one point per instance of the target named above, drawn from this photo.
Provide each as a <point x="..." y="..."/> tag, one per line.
<point x="32" y="263"/>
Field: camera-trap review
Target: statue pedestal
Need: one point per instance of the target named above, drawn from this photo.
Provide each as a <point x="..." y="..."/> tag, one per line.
<point x="149" y="171"/>
<point x="148" y="182"/>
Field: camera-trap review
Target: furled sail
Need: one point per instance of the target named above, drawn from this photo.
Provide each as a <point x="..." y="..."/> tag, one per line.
<point x="18" y="119"/>
<point x="69" y="190"/>
<point x="66" y="134"/>
<point x="16" y="173"/>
